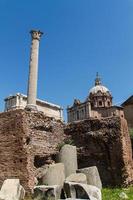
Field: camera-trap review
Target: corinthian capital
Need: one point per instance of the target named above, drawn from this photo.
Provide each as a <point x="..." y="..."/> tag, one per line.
<point x="36" y="34"/>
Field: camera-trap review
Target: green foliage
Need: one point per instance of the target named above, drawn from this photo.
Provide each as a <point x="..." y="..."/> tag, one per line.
<point x="60" y="145"/>
<point x="113" y="194"/>
<point x="131" y="132"/>
<point x="67" y="141"/>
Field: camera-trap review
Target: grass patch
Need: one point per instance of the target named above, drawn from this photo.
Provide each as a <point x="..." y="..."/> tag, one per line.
<point x="131" y="132"/>
<point x="113" y="194"/>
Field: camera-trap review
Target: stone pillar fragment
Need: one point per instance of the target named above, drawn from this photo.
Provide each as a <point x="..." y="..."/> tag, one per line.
<point x="78" y="178"/>
<point x="92" y="174"/>
<point x="47" y="192"/>
<point x="33" y="72"/>
<point x="55" y="175"/>
<point x="11" y="189"/>
<point x="82" y="191"/>
<point x="68" y="156"/>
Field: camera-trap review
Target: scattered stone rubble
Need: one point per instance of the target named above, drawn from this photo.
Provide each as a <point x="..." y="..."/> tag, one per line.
<point x="55" y="185"/>
<point x="58" y="187"/>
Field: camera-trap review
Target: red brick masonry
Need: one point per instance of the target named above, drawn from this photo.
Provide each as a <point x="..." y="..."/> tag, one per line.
<point x="27" y="140"/>
<point x="105" y="143"/>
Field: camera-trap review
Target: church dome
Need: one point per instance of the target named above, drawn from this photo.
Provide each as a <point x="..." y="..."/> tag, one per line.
<point x="98" y="87"/>
<point x="99" y="95"/>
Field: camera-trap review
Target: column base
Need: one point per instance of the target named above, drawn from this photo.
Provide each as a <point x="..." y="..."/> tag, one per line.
<point x="31" y="107"/>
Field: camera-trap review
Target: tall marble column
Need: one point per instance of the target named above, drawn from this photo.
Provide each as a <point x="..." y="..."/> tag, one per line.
<point x="33" y="71"/>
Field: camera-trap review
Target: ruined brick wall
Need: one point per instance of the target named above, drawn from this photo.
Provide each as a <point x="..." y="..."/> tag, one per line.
<point x="13" y="155"/>
<point x="132" y="144"/>
<point x="27" y="142"/>
<point x="106" y="144"/>
<point x="128" y="111"/>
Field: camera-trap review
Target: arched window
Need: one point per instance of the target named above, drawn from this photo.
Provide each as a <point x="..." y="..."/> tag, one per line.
<point x="92" y="104"/>
<point x="100" y="103"/>
<point x="108" y="103"/>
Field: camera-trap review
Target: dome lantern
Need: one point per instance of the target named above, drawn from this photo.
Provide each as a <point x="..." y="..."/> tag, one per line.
<point x="97" y="80"/>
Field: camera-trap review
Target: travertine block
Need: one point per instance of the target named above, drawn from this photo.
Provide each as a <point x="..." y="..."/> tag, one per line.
<point x="12" y="190"/>
<point x="68" y="156"/>
<point x="82" y="191"/>
<point x="92" y="175"/>
<point x="78" y="178"/>
<point x="47" y="192"/>
<point x="55" y="175"/>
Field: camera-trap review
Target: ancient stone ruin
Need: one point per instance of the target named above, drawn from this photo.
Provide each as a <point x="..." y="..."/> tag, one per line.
<point x="106" y="144"/>
<point x="30" y="142"/>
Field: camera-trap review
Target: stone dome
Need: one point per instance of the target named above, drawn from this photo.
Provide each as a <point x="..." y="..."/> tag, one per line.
<point x="98" y="88"/>
<point x="99" y="95"/>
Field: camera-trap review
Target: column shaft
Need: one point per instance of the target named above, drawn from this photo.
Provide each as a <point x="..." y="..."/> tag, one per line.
<point x="33" y="71"/>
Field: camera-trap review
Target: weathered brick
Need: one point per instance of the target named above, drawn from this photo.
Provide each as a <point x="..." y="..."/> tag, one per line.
<point x="106" y="144"/>
<point x="27" y="140"/>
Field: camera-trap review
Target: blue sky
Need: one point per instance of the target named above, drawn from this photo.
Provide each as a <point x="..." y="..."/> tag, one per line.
<point x="82" y="37"/>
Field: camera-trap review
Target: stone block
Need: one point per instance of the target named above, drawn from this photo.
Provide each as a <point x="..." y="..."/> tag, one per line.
<point x="78" y="178"/>
<point x="42" y="192"/>
<point x="123" y="195"/>
<point x="55" y="175"/>
<point x="12" y="190"/>
<point x="68" y="156"/>
<point x="92" y="174"/>
<point x="82" y="191"/>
